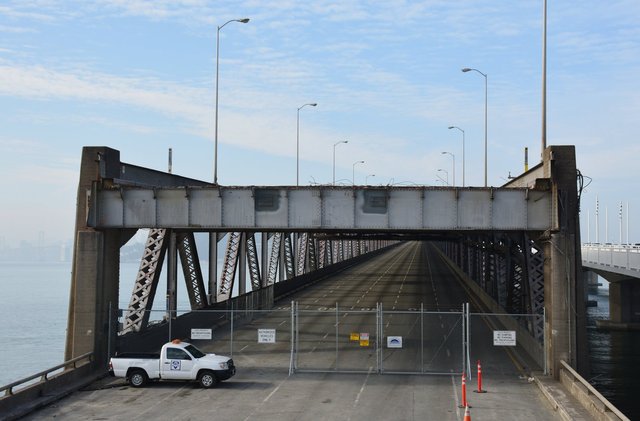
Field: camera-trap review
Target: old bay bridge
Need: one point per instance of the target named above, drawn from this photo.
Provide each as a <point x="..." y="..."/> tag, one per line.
<point x="516" y="246"/>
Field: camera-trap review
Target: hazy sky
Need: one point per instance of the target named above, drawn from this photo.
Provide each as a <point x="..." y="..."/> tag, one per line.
<point x="139" y="76"/>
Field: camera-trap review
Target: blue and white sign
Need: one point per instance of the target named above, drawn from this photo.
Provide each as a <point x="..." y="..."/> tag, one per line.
<point x="394" y="341"/>
<point x="176" y="365"/>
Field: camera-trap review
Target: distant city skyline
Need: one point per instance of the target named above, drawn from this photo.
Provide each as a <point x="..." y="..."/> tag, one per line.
<point x="139" y="76"/>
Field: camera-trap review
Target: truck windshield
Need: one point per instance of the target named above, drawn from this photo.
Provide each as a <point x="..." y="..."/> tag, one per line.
<point x="194" y="351"/>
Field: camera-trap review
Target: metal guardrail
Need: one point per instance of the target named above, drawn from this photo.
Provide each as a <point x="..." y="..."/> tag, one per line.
<point x="8" y="389"/>
<point x="622" y="257"/>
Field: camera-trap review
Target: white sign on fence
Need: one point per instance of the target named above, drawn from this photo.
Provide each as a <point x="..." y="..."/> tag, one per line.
<point x="201" y="334"/>
<point x="266" y="336"/>
<point x="504" y="338"/>
<point x="394" y="341"/>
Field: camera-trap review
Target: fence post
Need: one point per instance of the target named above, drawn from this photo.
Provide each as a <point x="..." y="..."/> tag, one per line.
<point x="468" y="342"/>
<point x="379" y="338"/>
<point x="464" y="339"/>
<point x="291" y="369"/>
<point x="231" y="338"/>
<point x="109" y="333"/>
<point x="337" y="336"/>
<point x="422" y="338"/>
<point x="297" y="334"/>
<point x="544" y="340"/>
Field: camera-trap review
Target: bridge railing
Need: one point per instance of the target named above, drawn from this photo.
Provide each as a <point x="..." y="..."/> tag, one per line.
<point x="43" y="376"/>
<point x="621" y="256"/>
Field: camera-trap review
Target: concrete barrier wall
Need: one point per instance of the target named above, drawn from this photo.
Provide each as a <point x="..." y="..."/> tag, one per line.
<point x="527" y="342"/>
<point x="588" y="396"/>
<point x="44" y="392"/>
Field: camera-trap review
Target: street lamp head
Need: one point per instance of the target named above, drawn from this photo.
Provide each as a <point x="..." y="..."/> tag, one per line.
<point x="245" y="20"/>
<point x="466" y="69"/>
<point x="451" y="127"/>
<point x="313" y="105"/>
<point x="444" y="153"/>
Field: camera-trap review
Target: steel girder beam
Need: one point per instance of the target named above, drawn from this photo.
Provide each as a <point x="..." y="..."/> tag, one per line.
<point x="276" y="244"/>
<point x="288" y="257"/>
<point x="301" y="255"/>
<point x="186" y="245"/>
<point x="322" y="253"/>
<point x="312" y="255"/>
<point x="252" y="260"/>
<point x="509" y="267"/>
<point x="229" y="266"/>
<point x="144" y="289"/>
<point x="534" y="259"/>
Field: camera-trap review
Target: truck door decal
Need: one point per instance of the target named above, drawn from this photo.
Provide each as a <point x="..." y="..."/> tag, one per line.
<point x="175" y="365"/>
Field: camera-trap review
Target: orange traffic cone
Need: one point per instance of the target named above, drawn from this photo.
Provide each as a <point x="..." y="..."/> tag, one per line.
<point x="464" y="403"/>
<point x="480" y="380"/>
<point x="467" y="415"/>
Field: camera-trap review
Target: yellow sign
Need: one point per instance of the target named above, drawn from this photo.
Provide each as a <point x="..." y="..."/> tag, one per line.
<point x="355" y="337"/>
<point x="364" y="342"/>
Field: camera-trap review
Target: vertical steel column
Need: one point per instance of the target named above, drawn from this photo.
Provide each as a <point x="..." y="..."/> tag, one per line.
<point x="213" y="267"/>
<point x="264" y="251"/>
<point x="144" y="289"/>
<point x="172" y="276"/>
<point x="252" y="260"/>
<point x="191" y="270"/>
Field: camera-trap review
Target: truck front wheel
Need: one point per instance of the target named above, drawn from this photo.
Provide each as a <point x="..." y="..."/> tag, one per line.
<point x="138" y="378"/>
<point x="207" y="379"/>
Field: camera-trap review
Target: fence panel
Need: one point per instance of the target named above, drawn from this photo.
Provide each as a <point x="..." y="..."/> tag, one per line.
<point x="335" y="340"/>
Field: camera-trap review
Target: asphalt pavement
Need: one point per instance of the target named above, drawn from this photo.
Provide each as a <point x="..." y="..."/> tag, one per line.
<point x="336" y="376"/>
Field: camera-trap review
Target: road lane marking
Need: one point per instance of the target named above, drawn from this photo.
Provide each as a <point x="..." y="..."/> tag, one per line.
<point x="273" y="392"/>
<point x="455" y="396"/>
<point x="364" y="384"/>
<point x="243" y="348"/>
<point x="159" y="402"/>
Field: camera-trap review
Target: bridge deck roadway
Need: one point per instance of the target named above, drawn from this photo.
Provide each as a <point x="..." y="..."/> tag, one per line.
<point x="402" y="278"/>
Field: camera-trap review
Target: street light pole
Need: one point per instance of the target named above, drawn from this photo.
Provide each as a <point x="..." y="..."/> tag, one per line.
<point x="215" y="159"/>
<point x="454" y="166"/>
<point x="446" y="173"/>
<point x="366" y="179"/>
<point x="467" y="69"/>
<point x="544" y="78"/>
<point x="456" y="127"/>
<point x="298" y="142"/>
<point x="353" y="175"/>
<point x="334" y="159"/>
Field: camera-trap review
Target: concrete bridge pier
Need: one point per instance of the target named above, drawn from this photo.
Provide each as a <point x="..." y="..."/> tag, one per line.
<point x="624" y="304"/>
<point x="95" y="271"/>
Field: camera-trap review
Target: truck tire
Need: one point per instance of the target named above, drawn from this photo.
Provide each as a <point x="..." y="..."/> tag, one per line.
<point x="207" y="379"/>
<point x="138" y="378"/>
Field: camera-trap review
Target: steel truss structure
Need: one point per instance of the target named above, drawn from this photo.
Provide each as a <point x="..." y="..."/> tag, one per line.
<point x="241" y="253"/>
<point x="509" y="267"/>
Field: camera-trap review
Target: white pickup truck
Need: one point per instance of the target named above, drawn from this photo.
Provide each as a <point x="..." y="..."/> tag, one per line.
<point x="177" y="361"/>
